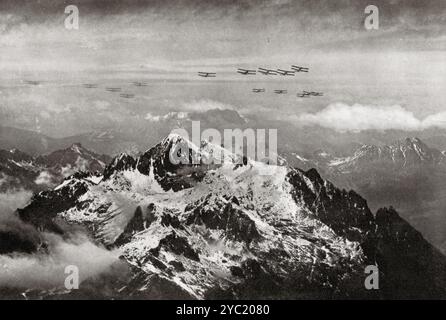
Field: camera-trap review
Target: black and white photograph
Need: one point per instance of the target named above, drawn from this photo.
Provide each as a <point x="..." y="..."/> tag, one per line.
<point x="235" y="150"/>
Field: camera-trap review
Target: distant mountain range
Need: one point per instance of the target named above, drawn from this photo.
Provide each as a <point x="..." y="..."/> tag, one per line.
<point x="112" y="142"/>
<point x="407" y="153"/>
<point x="407" y="174"/>
<point x="21" y="170"/>
<point x="34" y="143"/>
<point x="152" y="128"/>
<point x="236" y="230"/>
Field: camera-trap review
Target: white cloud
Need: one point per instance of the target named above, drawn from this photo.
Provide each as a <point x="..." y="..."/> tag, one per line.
<point x="102" y="104"/>
<point x="81" y="164"/>
<point x="11" y="200"/>
<point x="3" y="179"/>
<point x="167" y="116"/>
<point x="44" y="178"/>
<point x="435" y="120"/>
<point x="67" y="171"/>
<point x="152" y="118"/>
<point x="47" y="271"/>
<point x="357" y="117"/>
<point x="206" y="104"/>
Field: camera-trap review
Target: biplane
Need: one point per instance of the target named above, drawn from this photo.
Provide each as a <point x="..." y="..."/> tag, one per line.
<point x="32" y="82"/>
<point x="127" y="95"/>
<point x="267" y="71"/>
<point x="299" y="69"/>
<point x="303" y="95"/>
<point x="307" y="94"/>
<point x="285" y="72"/>
<point x="313" y="93"/>
<point x="113" y="89"/>
<point x="90" y="85"/>
<point x="207" y="74"/>
<point x="246" y="71"/>
<point x="139" y="84"/>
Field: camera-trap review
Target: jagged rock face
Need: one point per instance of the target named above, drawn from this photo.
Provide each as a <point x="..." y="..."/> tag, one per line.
<point x="119" y="163"/>
<point x="413" y="266"/>
<point x="46" y="205"/>
<point x="75" y="156"/>
<point x="170" y="175"/>
<point x="175" y="162"/>
<point x="137" y="223"/>
<point x="344" y="211"/>
<point x="176" y="244"/>
<point x="184" y="171"/>
<point x="247" y="230"/>
<point x="407" y="174"/>
<point x="224" y="216"/>
<point x="11" y="241"/>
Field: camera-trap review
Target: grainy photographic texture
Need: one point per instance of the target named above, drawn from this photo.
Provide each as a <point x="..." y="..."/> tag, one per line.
<point x="222" y="149"/>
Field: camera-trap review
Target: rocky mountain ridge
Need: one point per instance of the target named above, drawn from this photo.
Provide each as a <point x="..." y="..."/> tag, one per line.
<point x="239" y="230"/>
<point x="19" y="170"/>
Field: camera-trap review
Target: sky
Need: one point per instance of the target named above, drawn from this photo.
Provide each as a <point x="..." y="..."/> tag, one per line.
<point x="390" y="78"/>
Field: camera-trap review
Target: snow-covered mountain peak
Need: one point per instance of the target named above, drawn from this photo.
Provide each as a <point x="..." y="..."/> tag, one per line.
<point x="173" y="138"/>
<point x="402" y="153"/>
<point x="76" y="147"/>
<point x="228" y="218"/>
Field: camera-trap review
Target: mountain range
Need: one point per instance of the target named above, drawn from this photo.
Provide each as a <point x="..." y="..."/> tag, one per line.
<point x="21" y="170"/>
<point x="407" y="174"/>
<point x="240" y="229"/>
<point x="112" y="141"/>
<point x="35" y="143"/>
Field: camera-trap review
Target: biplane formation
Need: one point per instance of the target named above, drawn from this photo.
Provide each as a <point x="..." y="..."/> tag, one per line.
<point x="291" y="72"/>
<point x="126" y="95"/>
<point x="264" y="71"/>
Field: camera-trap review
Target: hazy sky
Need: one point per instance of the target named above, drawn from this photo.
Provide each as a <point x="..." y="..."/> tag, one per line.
<point x="399" y="69"/>
<point x="181" y="34"/>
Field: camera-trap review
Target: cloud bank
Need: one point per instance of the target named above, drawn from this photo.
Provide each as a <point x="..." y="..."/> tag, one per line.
<point x="11" y="200"/>
<point x="44" y="178"/>
<point x="357" y="117"/>
<point x="45" y="269"/>
<point x="168" y="116"/>
<point x="205" y="105"/>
